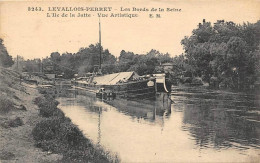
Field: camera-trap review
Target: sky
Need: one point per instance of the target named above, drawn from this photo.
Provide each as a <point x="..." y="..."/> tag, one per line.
<point x="32" y="34"/>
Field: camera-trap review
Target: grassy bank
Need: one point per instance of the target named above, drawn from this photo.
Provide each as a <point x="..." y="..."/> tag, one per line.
<point x="18" y="116"/>
<point x="57" y="134"/>
<point x="35" y="130"/>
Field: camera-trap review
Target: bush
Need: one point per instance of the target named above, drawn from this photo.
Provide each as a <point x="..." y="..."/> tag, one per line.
<point x="44" y="100"/>
<point x="47" y="111"/>
<point x="12" y="123"/>
<point x="51" y="145"/>
<point x="15" y="122"/>
<point x="46" y="129"/>
<point x="58" y="113"/>
<point x="48" y="107"/>
<point x="38" y="100"/>
<point x="71" y="135"/>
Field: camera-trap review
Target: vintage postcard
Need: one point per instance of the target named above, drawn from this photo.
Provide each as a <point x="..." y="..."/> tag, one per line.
<point x="130" y="81"/>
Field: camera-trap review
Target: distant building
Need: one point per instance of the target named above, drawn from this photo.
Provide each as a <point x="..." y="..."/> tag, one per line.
<point x="168" y="67"/>
<point x="49" y="68"/>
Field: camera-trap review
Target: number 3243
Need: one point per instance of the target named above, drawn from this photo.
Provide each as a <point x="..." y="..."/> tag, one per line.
<point x="35" y="9"/>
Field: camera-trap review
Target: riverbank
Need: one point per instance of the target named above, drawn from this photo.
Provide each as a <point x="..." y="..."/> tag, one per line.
<point x="24" y="115"/>
<point x="18" y="116"/>
<point x="57" y="134"/>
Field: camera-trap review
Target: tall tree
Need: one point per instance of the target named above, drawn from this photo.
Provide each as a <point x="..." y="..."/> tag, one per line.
<point x="5" y="59"/>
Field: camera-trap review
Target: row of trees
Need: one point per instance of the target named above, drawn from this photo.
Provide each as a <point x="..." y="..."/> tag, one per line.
<point x="84" y="61"/>
<point x="87" y="58"/>
<point x="142" y="64"/>
<point x="224" y="53"/>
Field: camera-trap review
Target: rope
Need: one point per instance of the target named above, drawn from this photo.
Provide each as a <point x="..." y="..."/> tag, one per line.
<point x="115" y="77"/>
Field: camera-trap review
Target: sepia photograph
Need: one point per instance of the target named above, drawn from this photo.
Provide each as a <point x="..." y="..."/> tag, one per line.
<point x="129" y="81"/>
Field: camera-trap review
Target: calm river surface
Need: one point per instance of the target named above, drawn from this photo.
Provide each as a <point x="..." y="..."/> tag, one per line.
<point x="200" y="126"/>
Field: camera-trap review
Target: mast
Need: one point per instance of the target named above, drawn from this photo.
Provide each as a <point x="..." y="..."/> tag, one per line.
<point x="100" y="49"/>
<point x="17" y="63"/>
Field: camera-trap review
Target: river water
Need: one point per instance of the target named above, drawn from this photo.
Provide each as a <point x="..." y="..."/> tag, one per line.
<point x="200" y="125"/>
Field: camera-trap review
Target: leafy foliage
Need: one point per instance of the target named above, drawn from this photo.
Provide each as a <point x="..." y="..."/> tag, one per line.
<point x="81" y="62"/>
<point x="226" y="51"/>
<point x="84" y="61"/>
<point x="142" y="64"/>
<point x="14" y="122"/>
<point x="5" y="59"/>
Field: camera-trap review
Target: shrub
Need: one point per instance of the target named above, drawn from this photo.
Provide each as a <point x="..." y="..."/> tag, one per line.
<point x="46" y="129"/>
<point x="48" y="107"/>
<point x="50" y="110"/>
<point x="51" y="145"/>
<point x="71" y="135"/>
<point x="12" y="123"/>
<point x="47" y="110"/>
<point x="15" y="122"/>
<point x="43" y="100"/>
<point x="58" y="113"/>
<point x="39" y="101"/>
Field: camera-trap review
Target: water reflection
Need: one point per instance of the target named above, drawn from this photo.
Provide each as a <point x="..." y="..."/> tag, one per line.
<point x="145" y="109"/>
<point x="199" y="126"/>
<point x="221" y="119"/>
